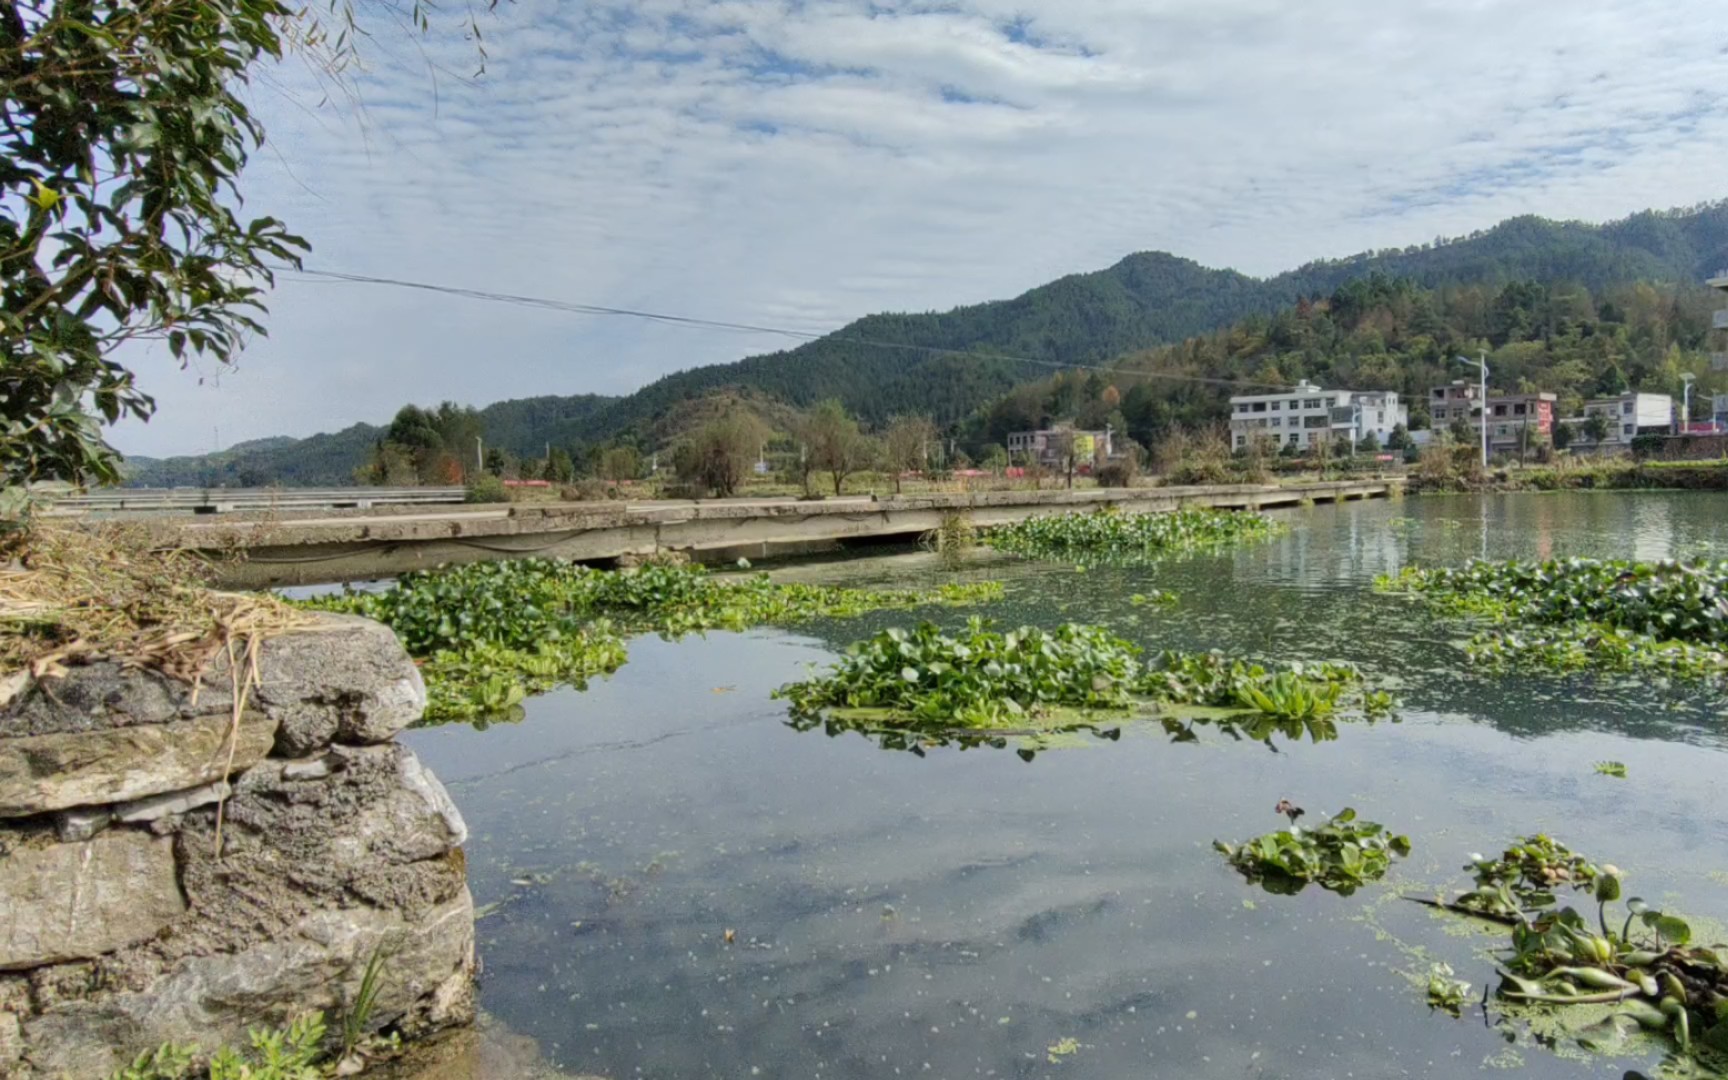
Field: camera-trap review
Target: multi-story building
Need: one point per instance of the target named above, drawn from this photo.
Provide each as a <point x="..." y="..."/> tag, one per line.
<point x="1516" y="422"/>
<point x="1719" y="358"/>
<point x="1049" y="447"/>
<point x="1307" y="414"/>
<point x="1627" y="416"/>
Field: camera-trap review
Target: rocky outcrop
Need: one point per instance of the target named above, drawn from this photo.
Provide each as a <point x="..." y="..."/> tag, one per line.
<point x="129" y="918"/>
<point x="75" y="901"/>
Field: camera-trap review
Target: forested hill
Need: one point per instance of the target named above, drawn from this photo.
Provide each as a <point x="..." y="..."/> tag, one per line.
<point x="949" y="364"/>
<point x="522" y="426"/>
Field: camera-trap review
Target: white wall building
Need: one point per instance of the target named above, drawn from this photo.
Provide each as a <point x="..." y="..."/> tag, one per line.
<point x="1300" y="416"/>
<point x="1628" y="415"/>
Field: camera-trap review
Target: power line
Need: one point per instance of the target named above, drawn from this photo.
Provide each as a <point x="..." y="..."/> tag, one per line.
<point x="574" y="307"/>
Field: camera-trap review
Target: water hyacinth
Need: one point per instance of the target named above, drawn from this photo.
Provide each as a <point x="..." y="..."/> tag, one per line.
<point x="1644" y="967"/>
<point x="1340" y="856"/>
<point x="1109" y="535"/>
<point x="1662" y="618"/>
<point x="490" y="634"/>
<point x="985" y="679"/>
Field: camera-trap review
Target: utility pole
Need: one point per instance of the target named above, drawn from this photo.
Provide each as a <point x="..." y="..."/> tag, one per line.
<point x="1686" y="403"/>
<point x="1483" y="403"/>
<point x="479" y="455"/>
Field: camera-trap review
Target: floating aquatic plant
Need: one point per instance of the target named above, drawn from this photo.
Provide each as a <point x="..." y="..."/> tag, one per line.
<point x="1645" y="966"/>
<point x="1665" y="618"/>
<point x="977" y="678"/>
<point x="1109" y="535"/>
<point x="490" y="634"/>
<point x="981" y="682"/>
<point x="1340" y="856"/>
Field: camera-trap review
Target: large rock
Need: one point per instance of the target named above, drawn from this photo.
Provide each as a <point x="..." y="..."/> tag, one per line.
<point x="212" y="1001"/>
<point x="347" y="680"/>
<point x="39" y="773"/>
<point x="324" y="862"/>
<point x="341" y="679"/>
<point x="63" y="902"/>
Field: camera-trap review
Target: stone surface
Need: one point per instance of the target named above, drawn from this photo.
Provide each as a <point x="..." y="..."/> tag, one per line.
<point x="214" y="1000"/>
<point x="81" y="823"/>
<point x="11" y="1040"/>
<point x="319" y="868"/>
<point x="40" y="773"/>
<point x="157" y="807"/>
<point x="63" y="902"/>
<point x="342" y="679"/>
<point x="347" y="681"/>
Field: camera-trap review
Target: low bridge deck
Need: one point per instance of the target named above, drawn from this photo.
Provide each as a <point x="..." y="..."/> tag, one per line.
<point x="270" y="552"/>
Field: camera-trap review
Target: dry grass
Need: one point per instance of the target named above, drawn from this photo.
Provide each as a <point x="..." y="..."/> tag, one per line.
<point x="71" y="594"/>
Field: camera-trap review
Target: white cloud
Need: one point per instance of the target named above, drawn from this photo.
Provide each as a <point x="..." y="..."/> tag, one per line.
<point x="802" y="163"/>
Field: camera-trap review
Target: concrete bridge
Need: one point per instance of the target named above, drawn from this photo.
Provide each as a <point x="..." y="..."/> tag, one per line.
<point x="273" y="552"/>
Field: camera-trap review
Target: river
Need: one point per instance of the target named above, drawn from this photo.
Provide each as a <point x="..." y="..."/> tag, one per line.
<point x="971" y="914"/>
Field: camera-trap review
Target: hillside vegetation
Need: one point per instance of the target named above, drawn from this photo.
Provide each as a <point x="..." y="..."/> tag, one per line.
<point x="951" y="365"/>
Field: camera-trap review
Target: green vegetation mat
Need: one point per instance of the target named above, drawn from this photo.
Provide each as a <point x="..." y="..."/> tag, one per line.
<point x="983" y="684"/>
<point x="1665" y="618"/>
<point x="1109" y="535"/>
<point x="489" y="634"/>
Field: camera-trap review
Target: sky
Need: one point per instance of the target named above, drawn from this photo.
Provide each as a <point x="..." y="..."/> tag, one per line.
<point x="800" y="163"/>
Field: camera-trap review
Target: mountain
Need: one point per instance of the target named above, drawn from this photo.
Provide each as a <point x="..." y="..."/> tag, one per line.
<point x="950" y="364"/>
<point x="524" y="426"/>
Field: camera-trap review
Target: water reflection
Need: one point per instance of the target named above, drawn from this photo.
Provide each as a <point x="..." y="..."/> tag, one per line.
<point x="958" y="914"/>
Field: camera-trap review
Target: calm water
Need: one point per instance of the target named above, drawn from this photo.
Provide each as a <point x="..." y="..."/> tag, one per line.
<point x="957" y="915"/>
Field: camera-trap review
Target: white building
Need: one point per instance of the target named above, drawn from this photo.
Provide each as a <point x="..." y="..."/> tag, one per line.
<point x="1719" y="359"/>
<point x="1628" y="416"/>
<point x="1301" y="416"/>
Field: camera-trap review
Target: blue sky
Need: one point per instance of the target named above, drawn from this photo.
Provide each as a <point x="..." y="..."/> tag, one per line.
<point x="800" y="164"/>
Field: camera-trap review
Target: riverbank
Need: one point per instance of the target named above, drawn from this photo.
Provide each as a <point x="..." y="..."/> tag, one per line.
<point x="1618" y="474"/>
<point x="207" y="826"/>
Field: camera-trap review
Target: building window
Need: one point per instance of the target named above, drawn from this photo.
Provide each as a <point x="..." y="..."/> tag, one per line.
<point x="1627" y="428"/>
<point x="1259" y="406"/>
<point x="1517" y="410"/>
<point x="1241" y="441"/>
<point x="1277" y="421"/>
<point x="1626" y="407"/>
<point x="1499" y="410"/>
<point x="1295" y="437"/>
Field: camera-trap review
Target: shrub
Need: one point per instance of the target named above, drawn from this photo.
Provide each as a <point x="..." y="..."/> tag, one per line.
<point x="588" y="490"/>
<point x="486" y="488"/>
<point x="1118" y="474"/>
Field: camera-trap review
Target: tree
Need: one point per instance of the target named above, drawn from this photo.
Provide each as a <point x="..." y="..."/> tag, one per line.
<point x="1562" y="435"/>
<point x="560" y="467"/>
<point x="718" y="455"/>
<point x="1462" y="431"/>
<point x="995" y="459"/>
<point x="836" y="445"/>
<point x="1399" y="438"/>
<point x="125" y="131"/>
<point x="620" y="463"/>
<point x="906" y="446"/>
<point x="1370" y="444"/>
<point x="1597" y="428"/>
<point x="389" y="466"/>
